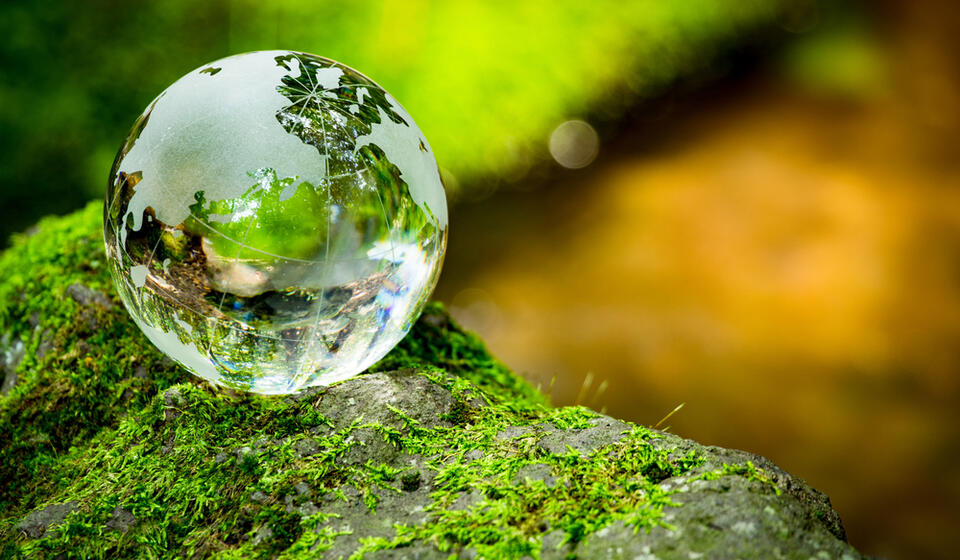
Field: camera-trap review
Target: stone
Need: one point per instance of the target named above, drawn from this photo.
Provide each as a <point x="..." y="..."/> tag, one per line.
<point x="467" y="500"/>
<point x="513" y="432"/>
<point x="730" y="516"/>
<point x="554" y="544"/>
<point x="472" y="455"/>
<point x="604" y="431"/>
<point x="264" y="533"/>
<point x="375" y="400"/>
<point x="172" y="401"/>
<point x="40" y="521"/>
<point x="306" y="447"/>
<point x="85" y="296"/>
<point x="815" y="503"/>
<point x="121" y="520"/>
<point x="352" y="515"/>
<point x="46" y="344"/>
<point x="367" y="444"/>
<point x="11" y="353"/>
<point x="415" y="552"/>
<point x="535" y="472"/>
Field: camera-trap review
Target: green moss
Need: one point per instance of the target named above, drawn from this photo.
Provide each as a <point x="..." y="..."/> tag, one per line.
<point x="104" y="420"/>
<point x="746" y="470"/>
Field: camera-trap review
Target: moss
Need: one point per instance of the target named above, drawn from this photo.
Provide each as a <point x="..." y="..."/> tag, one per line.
<point x="104" y="420"/>
<point x="746" y="470"/>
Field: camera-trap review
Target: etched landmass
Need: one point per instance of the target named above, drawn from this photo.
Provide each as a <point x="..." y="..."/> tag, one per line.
<point x="208" y="131"/>
<point x="414" y="159"/>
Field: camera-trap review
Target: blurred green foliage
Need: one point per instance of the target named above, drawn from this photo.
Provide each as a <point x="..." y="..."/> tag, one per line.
<point x="843" y="57"/>
<point x="486" y="81"/>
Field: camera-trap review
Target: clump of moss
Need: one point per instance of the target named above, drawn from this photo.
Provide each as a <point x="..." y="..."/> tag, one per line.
<point x="439" y="447"/>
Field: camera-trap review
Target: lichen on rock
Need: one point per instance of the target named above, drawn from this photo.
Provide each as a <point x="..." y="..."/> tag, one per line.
<point x="107" y="449"/>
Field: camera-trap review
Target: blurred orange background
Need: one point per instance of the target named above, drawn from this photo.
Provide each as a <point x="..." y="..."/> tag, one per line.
<point x="779" y="251"/>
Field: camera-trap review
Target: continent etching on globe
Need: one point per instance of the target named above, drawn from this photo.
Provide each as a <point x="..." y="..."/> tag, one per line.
<point x="275" y="220"/>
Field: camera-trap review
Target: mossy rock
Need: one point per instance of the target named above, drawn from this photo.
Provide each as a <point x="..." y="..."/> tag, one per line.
<point x="110" y="450"/>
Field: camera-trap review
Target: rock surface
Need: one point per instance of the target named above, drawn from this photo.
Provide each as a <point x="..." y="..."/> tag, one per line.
<point x="109" y="450"/>
<point x="37" y="522"/>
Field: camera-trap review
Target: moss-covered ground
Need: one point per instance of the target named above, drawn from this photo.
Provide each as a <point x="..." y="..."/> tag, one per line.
<point x="99" y="419"/>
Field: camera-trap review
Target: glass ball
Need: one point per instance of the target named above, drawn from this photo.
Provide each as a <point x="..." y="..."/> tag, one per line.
<point x="275" y="220"/>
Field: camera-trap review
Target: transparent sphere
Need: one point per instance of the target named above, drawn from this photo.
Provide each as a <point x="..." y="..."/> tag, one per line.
<point x="275" y="220"/>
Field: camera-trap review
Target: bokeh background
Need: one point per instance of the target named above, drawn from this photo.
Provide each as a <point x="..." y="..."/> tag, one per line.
<point x="751" y="207"/>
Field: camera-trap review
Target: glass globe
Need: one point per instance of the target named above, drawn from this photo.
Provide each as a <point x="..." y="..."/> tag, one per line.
<point x="275" y="220"/>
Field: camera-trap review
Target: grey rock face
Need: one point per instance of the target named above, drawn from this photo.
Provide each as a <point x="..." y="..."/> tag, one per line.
<point x="172" y="401"/>
<point x="726" y="518"/>
<point x="85" y="296"/>
<point x="416" y="552"/>
<point x="726" y="504"/>
<point x="46" y="344"/>
<point x="371" y="401"/>
<point x="605" y="430"/>
<point x="729" y="517"/>
<point x="356" y="521"/>
<point x="536" y="472"/>
<point x="814" y="503"/>
<point x="38" y="522"/>
<point x="306" y="447"/>
<point x="513" y="432"/>
<point x="122" y="520"/>
<point x="11" y="352"/>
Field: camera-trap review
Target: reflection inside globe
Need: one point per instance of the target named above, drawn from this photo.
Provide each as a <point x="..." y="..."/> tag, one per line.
<point x="275" y="220"/>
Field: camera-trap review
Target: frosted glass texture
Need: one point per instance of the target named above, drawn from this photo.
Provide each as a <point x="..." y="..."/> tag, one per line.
<point x="275" y="220"/>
